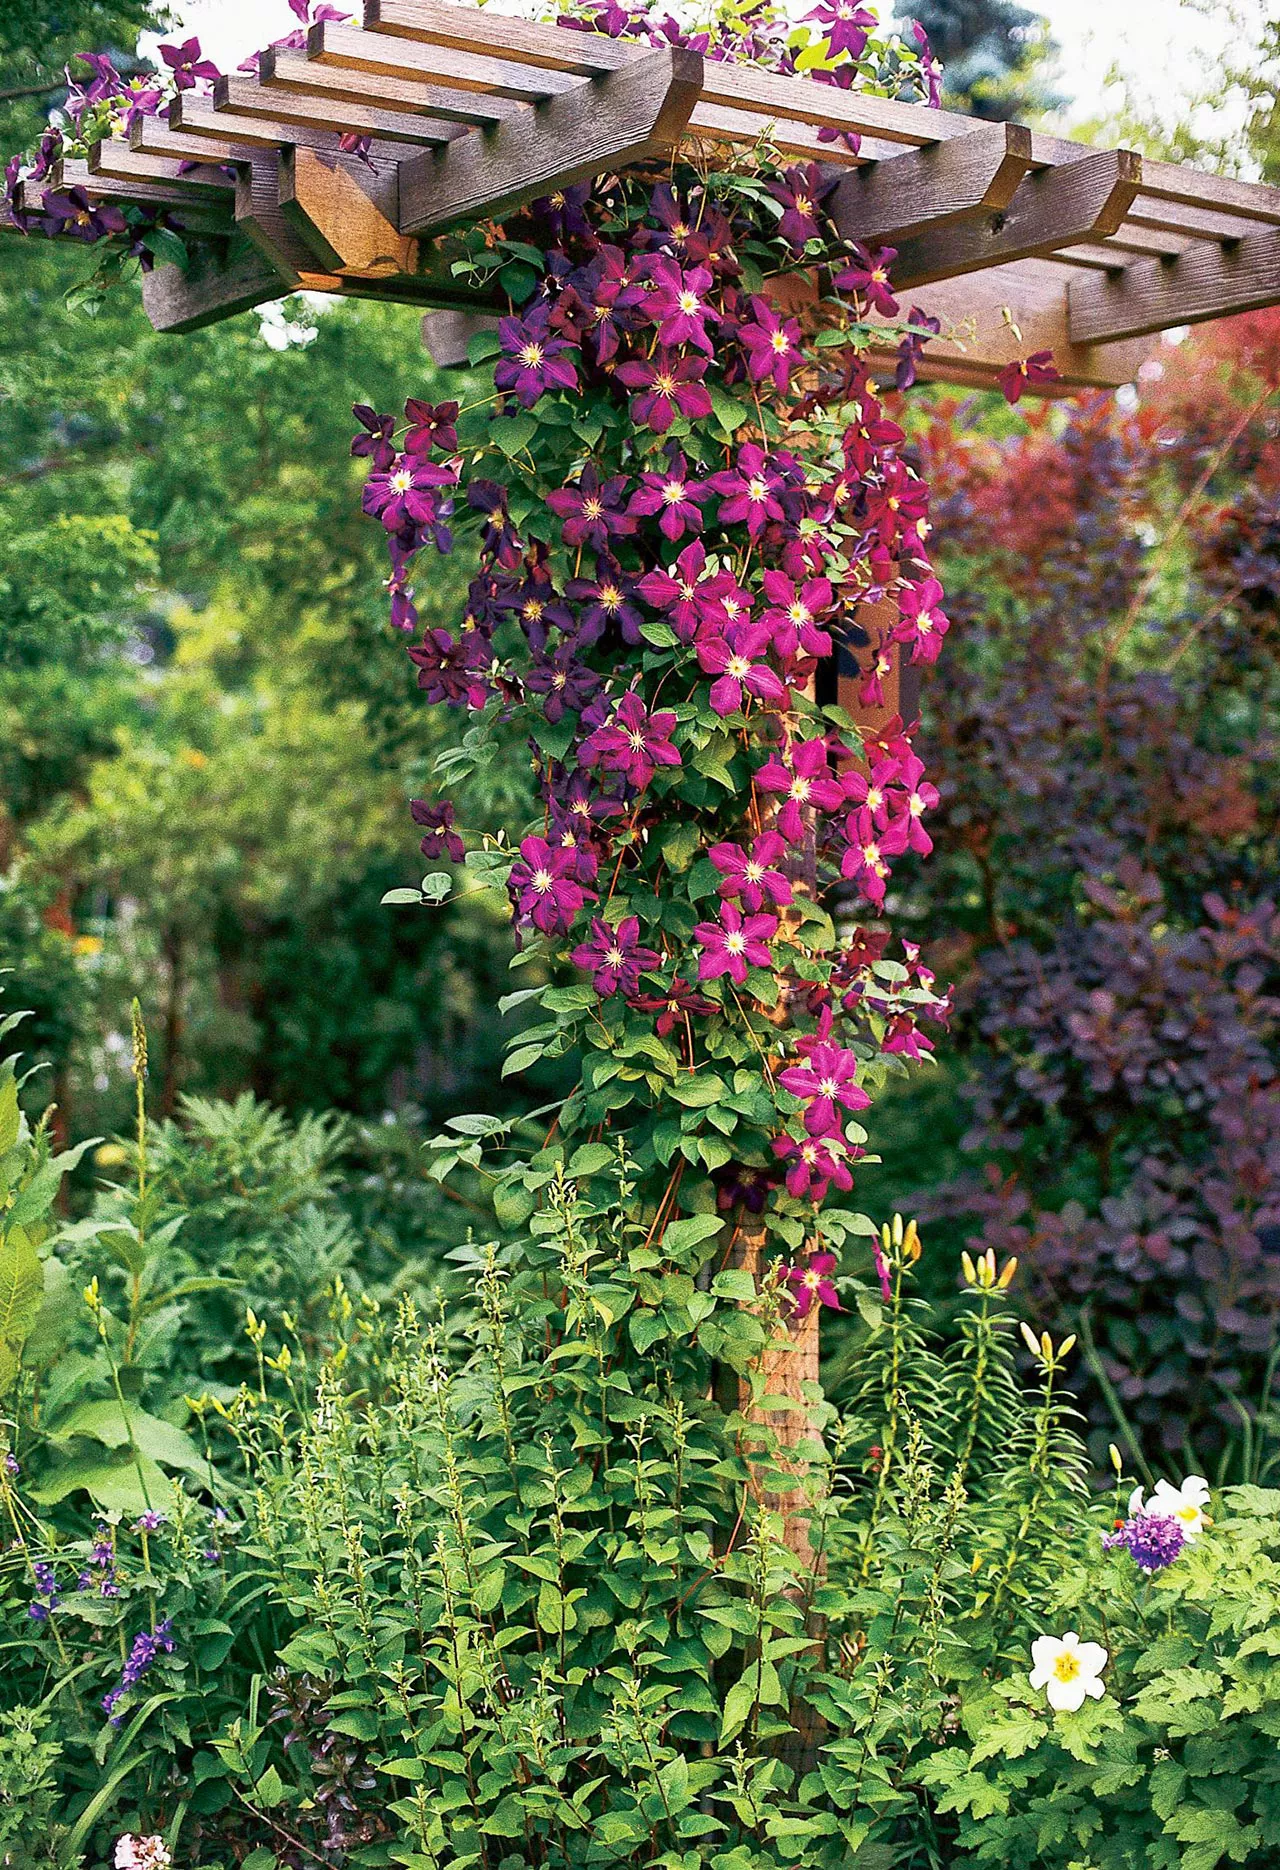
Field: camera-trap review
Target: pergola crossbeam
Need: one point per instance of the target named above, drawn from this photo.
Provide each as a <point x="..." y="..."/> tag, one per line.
<point x="632" y="114"/>
<point x="1206" y="281"/>
<point x="927" y="190"/>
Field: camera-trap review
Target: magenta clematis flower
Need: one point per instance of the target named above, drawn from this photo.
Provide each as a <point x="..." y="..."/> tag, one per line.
<point x="592" y="511"/>
<point x="733" y="659"/>
<point x="844" y="26"/>
<point x="1027" y="373"/>
<point x="827" y="1077"/>
<point x="803" y="779"/>
<point x="408" y="494"/>
<point x="867" y="275"/>
<point x="564" y="680"/>
<point x="669" y="385"/>
<point x="680" y="997"/>
<point x="793" y="613"/>
<point x="863" y="861"/>
<point x="800" y="190"/>
<point x="750" y="489"/>
<point x="680" y="592"/>
<point x="772" y="344"/>
<point x="679" y="304"/>
<point x="614" y="957"/>
<point x="923" y="623"/>
<point x="432" y="426"/>
<point x="533" y="357"/>
<point x="633" y="743"/>
<point x="544" y="886"/>
<point x="733" y="944"/>
<point x="72" y="213"/>
<point x="671" y="494"/>
<point x="813" y="1165"/>
<point x="187" y="66"/>
<point x="810" y="1283"/>
<point x="753" y="877"/>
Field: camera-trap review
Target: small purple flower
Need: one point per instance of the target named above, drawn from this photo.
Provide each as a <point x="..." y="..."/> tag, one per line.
<point x="669" y="385"/>
<point x="605" y="603"/>
<point x="844" y="25"/>
<point x="673" y="496"/>
<point x="679" y="304"/>
<point x="187" y="66"/>
<point x="750" y="490"/>
<point x="377" y="441"/>
<point x="1027" y="373"/>
<point x="803" y="778"/>
<point x="614" y="957"/>
<point x="440" y="839"/>
<point x="734" y="659"/>
<point x="453" y="669"/>
<point x="752" y="876"/>
<point x="734" y="943"/>
<point x="634" y="742"/>
<point x="148" y="1521"/>
<point x="432" y="427"/>
<point x="591" y="511"/>
<point x="147" y="1645"/>
<point x="11" y="1466"/>
<point x="564" y="679"/>
<point x="670" y="1003"/>
<point x="73" y="214"/>
<point x="867" y="276"/>
<point x="533" y="357"/>
<point x="772" y="344"/>
<point x="408" y="494"/>
<point x="810" y="1283"/>
<point x="800" y="190"/>
<point x="544" y="886"/>
<point x="1152" y="1540"/>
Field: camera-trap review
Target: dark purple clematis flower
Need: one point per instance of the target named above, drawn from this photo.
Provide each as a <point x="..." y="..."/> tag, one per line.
<point x="544" y="886"/>
<point x="753" y="877"/>
<point x="911" y="346"/>
<point x="565" y="681"/>
<point x="800" y="191"/>
<point x="499" y="535"/>
<point x="561" y="213"/>
<point x="452" y="669"/>
<point x="578" y="802"/>
<point x="739" y="1187"/>
<point x="432" y="426"/>
<point x="679" y="304"/>
<point x="803" y="779"/>
<point x="609" y="297"/>
<point x="187" y="66"/>
<point x="533" y="359"/>
<point x="408" y="494"/>
<point x="376" y="442"/>
<point x="73" y="213"/>
<point x="669" y="1004"/>
<point x="734" y="943"/>
<point x="844" y="25"/>
<point x="633" y="743"/>
<point x="683" y="592"/>
<point x="614" y="957"/>
<point x="673" y="496"/>
<point x="439" y="839"/>
<point x="733" y="660"/>
<point x="1027" y="373"/>
<point x="606" y="603"/>
<point x="669" y="385"/>
<point x="751" y="490"/>
<point x="592" y="511"/>
<point x="867" y="275"/>
<point x="772" y="344"/>
<point x="930" y="69"/>
<point x="810" y="1283"/>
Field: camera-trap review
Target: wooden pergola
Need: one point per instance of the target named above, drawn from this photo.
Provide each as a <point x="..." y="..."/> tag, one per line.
<point x="1016" y="240"/>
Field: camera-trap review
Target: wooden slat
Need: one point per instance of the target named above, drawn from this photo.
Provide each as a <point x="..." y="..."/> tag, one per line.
<point x="252" y="114"/>
<point x="625" y="116"/>
<point x="154" y="136"/>
<point x="931" y="189"/>
<point x="1204" y="282"/>
<point x="209" y="215"/>
<point x="349" y="222"/>
<point x="1055" y="208"/>
<point x="288" y="70"/>
<point x="116" y="159"/>
<point x="716" y="122"/>
<point x="209" y="291"/>
<point x="352" y="50"/>
<point x="467" y="28"/>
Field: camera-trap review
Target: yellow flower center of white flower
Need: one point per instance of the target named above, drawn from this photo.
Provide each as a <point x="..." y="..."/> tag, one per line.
<point x="1067" y="1667"/>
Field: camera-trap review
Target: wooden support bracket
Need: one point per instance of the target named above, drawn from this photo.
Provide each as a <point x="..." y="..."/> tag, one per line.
<point x="1054" y="208"/>
<point x="348" y="222"/>
<point x="622" y="117"/>
<point x="935" y="187"/>
<point x="1206" y="281"/>
<point x="210" y="290"/>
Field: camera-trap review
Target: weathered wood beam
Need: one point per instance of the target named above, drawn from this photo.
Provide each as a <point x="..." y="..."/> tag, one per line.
<point x="1054" y="208"/>
<point x="352" y="50"/>
<point x="431" y="22"/>
<point x="300" y="72"/>
<point x="209" y="215"/>
<point x="154" y="136"/>
<point x="248" y="111"/>
<point x="926" y="190"/>
<point x="116" y="159"/>
<point x="210" y="290"/>
<point x="1207" y="281"/>
<point x="624" y="116"/>
<point x="718" y="124"/>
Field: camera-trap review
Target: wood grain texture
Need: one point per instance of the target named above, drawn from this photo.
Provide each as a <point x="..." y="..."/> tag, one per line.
<point x="934" y="188"/>
<point x="116" y="159"/>
<point x="208" y="215"/>
<point x="469" y="28"/>
<point x="211" y="291"/>
<point x="622" y="117"/>
<point x="300" y="72"/>
<point x="352" y="50"/>
<point x="1207" y="281"/>
<point x="1054" y="208"/>
<point x="267" y="118"/>
<point x="261" y="219"/>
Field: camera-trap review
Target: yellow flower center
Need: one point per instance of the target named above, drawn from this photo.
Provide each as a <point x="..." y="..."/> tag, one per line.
<point x="757" y="489"/>
<point x="592" y="508"/>
<point x="799" y="790"/>
<point x="735" y="943"/>
<point x="666" y="385"/>
<point x="754" y="872"/>
<point x="614" y="956"/>
<point x="780" y="342"/>
<point x="610" y="597"/>
<point x="1067" y="1667"/>
<point x="635" y="740"/>
<point x="530" y="354"/>
<point x="541" y="880"/>
<point x="673" y="492"/>
<point x="690" y="304"/>
<point x="739" y="667"/>
<point x="402" y="481"/>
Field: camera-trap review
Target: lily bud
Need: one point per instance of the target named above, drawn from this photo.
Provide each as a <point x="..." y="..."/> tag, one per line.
<point x="1029" y="1338"/>
<point x="1006" y="1278"/>
<point x="1116" y="1462"/>
<point x="912" y="1246"/>
<point x="1066" y="1345"/>
<point x="970" y="1272"/>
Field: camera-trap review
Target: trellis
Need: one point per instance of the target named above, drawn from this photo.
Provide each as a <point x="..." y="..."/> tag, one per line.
<point x="1015" y="240"/>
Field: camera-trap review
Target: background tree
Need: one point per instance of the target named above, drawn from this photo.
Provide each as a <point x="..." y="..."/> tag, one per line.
<point x="993" y="54"/>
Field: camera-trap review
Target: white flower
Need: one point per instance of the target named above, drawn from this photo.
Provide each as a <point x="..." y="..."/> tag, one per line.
<point x="1067" y="1669"/>
<point x="142" y="1853"/>
<point x="1186" y="1504"/>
